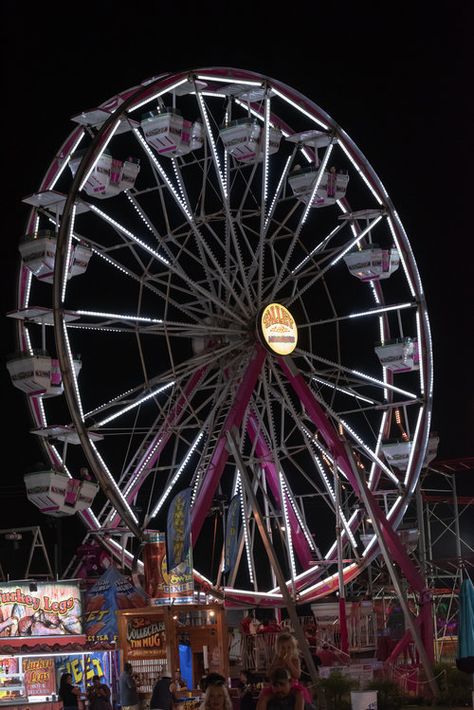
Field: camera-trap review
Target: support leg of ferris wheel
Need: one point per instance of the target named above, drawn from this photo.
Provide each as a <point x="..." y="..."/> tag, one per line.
<point x="206" y="491"/>
<point x="233" y="445"/>
<point x="389" y="542"/>
<point x="425" y="614"/>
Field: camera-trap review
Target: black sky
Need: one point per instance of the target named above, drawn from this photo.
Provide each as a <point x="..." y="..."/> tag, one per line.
<point x="398" y="78"/>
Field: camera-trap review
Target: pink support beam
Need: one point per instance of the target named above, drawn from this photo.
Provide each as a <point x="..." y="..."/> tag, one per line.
<point x="391" y="539"/>
<point x="162" y="437"/>
<point x="320" y="419"/>
<point x="219" y="458"/>
<point x="300" y="543"/>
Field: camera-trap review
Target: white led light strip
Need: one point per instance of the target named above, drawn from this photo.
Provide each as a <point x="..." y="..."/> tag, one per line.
<point x="177" y="475"/>
<point x="134" y="405"/>
<point x="372" y="455"/>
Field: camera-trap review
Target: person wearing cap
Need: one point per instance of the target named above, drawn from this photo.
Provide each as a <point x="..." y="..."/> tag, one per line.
<point x="282" y="695"/>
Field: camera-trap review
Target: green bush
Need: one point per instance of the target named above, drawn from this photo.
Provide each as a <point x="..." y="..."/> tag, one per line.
<point x="454" y="685"/>
<point x="336" y="689"/>
<point x="389" y="694"/>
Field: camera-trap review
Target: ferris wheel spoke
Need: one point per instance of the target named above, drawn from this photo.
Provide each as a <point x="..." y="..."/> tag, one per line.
<point x="188" y="215"/>
<point x="335" y="260"/>
<point x="369" y="312"/>
<point x="357" y="375"/>
<point x="225" y="197"/>
<point x="301" y="223"/>
<point x="144" y="325"/>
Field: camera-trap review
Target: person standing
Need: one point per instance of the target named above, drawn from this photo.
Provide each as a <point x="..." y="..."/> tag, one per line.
<point x="68" y="692"/>
<point x="128" y="689"/>
<point x="98" y="695"/>
<point x="163" y="696"/>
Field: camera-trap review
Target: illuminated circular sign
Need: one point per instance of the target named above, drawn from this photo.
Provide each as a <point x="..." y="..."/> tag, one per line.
<point x="278" y="329"/>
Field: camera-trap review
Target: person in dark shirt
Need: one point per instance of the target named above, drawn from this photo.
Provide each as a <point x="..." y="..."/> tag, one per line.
<point x="68" y="692"/>
<point x="282" y="694"/>
<point x="246" y="687"/>
<point x="163" y="696"/>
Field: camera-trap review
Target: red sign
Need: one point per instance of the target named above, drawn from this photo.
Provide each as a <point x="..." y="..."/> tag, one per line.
<point x="39" y="676"/>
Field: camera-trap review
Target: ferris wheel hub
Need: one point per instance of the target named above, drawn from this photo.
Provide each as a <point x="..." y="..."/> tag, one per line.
<point x="277" y="329"/>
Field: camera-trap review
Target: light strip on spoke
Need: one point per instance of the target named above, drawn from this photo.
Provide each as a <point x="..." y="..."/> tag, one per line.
<point x="370" y="453"/>
<point x="177" y="475"/>
<point x="413" y="447"/>
<point x="383" y="309"/>
<point x="129" y="234"/>
<point x="296" y="511"/>
<point x="212" y="143"/>
<point x="317" y="248"/>
<point x="134" y="404"/>
<point x="277" y="192"/>
<point x="377" y="447"/>
<point x="287" y="526"/>
<point x="113" y="483"/>
<point x="354" y="241"/>
<point x="344" y="390"/>
<point x="245" y="520"/>
<point x="72" y="370"/>
<point x="383" y="384"/>
<point x="118" y="316"/>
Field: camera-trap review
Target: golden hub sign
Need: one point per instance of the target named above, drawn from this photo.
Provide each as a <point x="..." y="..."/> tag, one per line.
<point x="278" y="329"/>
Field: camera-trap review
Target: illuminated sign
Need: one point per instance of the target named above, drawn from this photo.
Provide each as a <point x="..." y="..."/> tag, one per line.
<point x="278" y="329"/>
<point x="146" y="636"/>
<point x="40" y="609"/>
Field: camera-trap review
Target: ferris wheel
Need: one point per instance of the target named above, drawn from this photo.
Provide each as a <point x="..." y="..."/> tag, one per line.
<point x="230" y="294"/>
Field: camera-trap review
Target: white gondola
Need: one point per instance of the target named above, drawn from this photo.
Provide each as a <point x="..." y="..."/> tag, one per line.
<point x="109" y="175"/>
<point x="373" y="264"/>
<point x="38" y="374"/>
<point x="332" y="187"/>
<point x="38" y="253"/>
<point x="399" y="355"/>
<point x="243" y="140"/>
<point x="397" y="453"/>
<point x="57" y="494"/>
<point x="170" y="134"/>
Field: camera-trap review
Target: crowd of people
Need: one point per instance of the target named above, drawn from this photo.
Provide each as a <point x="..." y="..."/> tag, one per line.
<point x="285" y="685"/>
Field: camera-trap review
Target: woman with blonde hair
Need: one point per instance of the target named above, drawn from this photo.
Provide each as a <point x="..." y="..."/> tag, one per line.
<point x="216" y="697"/>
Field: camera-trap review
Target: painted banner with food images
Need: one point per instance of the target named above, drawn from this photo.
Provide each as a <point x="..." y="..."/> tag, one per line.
<point x="112" y="592"/>
<point x="40" y="609"/>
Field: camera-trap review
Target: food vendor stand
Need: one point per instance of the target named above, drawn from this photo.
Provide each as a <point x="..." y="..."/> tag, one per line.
<point x="154" y="639"/>
<point x="40" y="623"/>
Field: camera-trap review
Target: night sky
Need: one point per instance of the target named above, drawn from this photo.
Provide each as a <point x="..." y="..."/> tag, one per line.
<point x="399" y="83"/>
